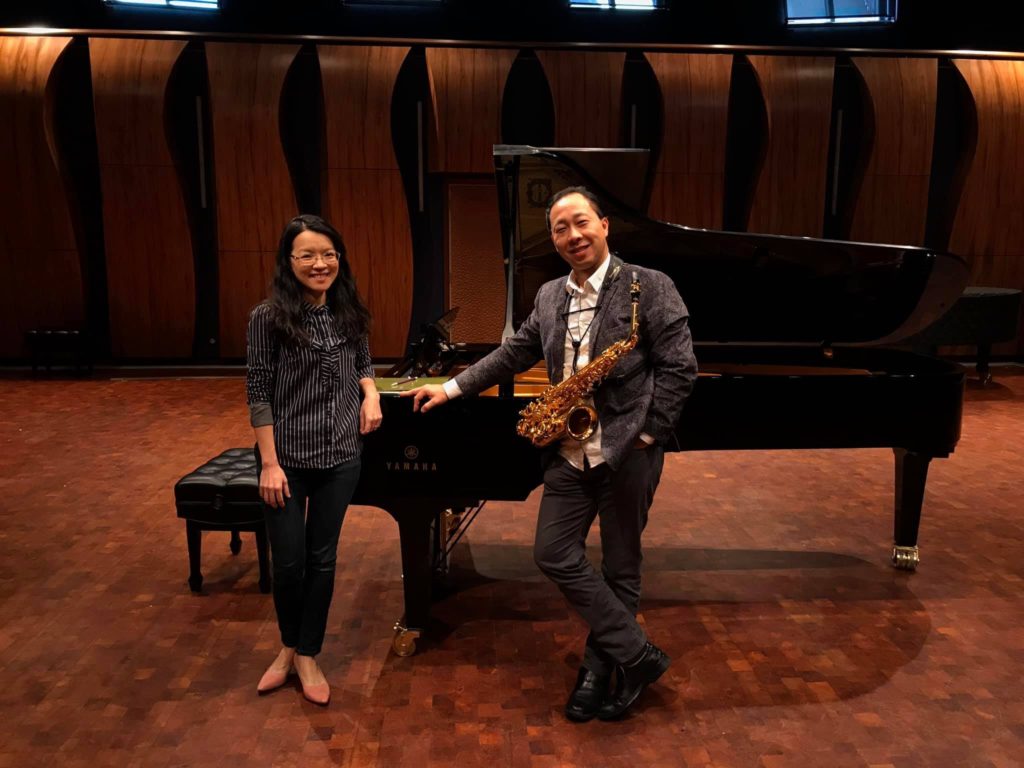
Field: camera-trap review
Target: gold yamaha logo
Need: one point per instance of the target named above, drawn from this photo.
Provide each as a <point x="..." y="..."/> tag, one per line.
<point x="412" y="452"/>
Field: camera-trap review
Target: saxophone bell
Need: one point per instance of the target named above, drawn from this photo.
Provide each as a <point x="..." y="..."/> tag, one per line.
<point x="581" y="422"/>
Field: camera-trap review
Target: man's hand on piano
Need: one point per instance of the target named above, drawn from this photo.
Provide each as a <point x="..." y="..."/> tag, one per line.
<point x="427" y="397"/>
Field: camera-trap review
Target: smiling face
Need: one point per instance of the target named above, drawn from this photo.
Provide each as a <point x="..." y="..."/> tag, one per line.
<point x="317" y="276"/>
<point x="579" y="234"/>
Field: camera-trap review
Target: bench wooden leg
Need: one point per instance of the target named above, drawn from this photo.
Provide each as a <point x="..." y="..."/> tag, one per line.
<point x="194" y="535"/>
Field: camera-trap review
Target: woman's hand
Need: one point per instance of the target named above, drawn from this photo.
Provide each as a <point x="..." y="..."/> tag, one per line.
<point x="370" y="416"/>
<point x="274" y="486"/>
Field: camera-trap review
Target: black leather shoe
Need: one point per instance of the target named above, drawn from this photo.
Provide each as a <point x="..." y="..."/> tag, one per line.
<point x="631" y="679"/>
<point x="588" y="695"/>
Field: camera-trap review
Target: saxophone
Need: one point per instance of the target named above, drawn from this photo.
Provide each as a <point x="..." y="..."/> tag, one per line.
<point x="561" y="410"/>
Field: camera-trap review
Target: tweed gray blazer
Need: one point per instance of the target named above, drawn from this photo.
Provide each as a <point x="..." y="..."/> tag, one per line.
<point x="647" y="388"/>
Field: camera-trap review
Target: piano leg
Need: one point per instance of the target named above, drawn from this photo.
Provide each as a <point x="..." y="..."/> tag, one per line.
<point x="415" y="536"/>
<point x="911" y="474"/>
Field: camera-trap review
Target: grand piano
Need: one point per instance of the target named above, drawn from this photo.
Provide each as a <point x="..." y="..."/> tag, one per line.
<point x="793" y="337"/>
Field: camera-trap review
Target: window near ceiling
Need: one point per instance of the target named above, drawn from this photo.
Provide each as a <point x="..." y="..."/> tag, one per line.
<point x="189" y="5"/>
<point x="633" y="5"/>
<point x="816" y="12"/>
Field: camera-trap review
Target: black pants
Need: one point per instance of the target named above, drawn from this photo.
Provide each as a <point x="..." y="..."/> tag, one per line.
<point x="304" y="548"/>
<point x="607" y="601"/>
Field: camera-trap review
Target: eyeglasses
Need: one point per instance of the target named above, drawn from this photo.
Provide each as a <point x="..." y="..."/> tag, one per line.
<point x="308" y="259"/>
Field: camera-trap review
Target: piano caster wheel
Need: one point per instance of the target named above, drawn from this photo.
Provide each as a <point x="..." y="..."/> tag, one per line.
<point x="404" y="642"/>
<point x="905" y="558"/>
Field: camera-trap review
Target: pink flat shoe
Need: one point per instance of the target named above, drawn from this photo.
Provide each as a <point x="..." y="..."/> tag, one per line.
<point x="272" y="680"/>
<point x="318" y="694"/>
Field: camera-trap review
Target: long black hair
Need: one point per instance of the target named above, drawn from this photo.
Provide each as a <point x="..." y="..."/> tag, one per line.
<point x="351" y="317"/>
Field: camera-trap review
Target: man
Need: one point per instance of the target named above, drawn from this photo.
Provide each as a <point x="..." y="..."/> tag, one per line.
<point x="614" y="473"/>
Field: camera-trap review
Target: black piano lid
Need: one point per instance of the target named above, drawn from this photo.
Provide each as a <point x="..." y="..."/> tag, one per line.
<point x="738" y="287"/>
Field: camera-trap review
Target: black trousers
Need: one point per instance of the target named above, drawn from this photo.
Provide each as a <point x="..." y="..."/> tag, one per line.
<point x="607" y="601"/>
<point x="304" y="549"/>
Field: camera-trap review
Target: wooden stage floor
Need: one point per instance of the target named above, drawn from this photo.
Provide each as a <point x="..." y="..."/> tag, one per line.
<point x="767" y="580"/>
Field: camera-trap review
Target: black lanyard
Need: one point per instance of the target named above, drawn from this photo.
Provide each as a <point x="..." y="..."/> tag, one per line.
<point x="574" y="341"/>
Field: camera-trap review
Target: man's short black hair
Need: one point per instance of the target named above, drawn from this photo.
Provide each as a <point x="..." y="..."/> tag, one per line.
<point x="590" y="196"/>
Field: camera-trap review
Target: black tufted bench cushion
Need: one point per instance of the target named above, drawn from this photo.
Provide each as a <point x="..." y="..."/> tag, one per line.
<point x="222" y="495"/>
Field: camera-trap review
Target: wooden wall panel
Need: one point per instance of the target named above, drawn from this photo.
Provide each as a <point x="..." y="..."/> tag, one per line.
<point x="790" y="194"/>
<point x="39" y="257"/>
<point x="466" y="86"/>
<point x="476" y="274"/>
<point x="892" y="206"/>
<point x="358" y="84"/>
<point x="587" y="92"/>
<point x="689" y="181"/>
<point x="255" y="197"/>
<point x="989" y="225"/>
<point x="988" y="228"/>
<point x="364" y="197"/>
<point x="150" y="272"/>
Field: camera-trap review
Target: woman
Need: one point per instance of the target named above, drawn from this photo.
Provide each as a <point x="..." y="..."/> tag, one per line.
<point x="311" y="395"/>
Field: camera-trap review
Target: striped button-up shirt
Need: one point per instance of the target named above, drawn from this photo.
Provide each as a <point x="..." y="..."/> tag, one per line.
<point x="310" y="393"/>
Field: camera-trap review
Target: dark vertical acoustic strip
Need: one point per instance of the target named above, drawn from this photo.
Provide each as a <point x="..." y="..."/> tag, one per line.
<point x="746" y="145"/>
<point x="850" y="140"/>
<point x="527" y="108"/>
<point x="75" y="138"/>
<point x="411" y="113"/>
<point x="301" y="122"/>
<point x="956" y="138"/>
<point x="189" y="136"/>
<point x="642" y="114"/>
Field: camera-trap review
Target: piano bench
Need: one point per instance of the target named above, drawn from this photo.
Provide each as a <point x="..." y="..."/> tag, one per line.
<point x="981" y="317"/>
<point x="222" y="495"/>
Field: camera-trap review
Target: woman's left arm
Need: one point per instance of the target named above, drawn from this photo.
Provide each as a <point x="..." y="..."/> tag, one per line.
<point x="369" y="412"/>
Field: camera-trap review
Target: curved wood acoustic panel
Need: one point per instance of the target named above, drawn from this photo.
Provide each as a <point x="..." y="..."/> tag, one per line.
<point x="466" y="86"/>
<point x="39" y="256"/>
<point x="893" y="203"/>
<point x="254" y="189"/>
<point x="364" y="197"/>
<point x="989" y="224"/>
<point x="587" y="91"/>
<point x="689" y="183"/>
<point x="150" y="268"/>
<point x="790" y="194"/>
